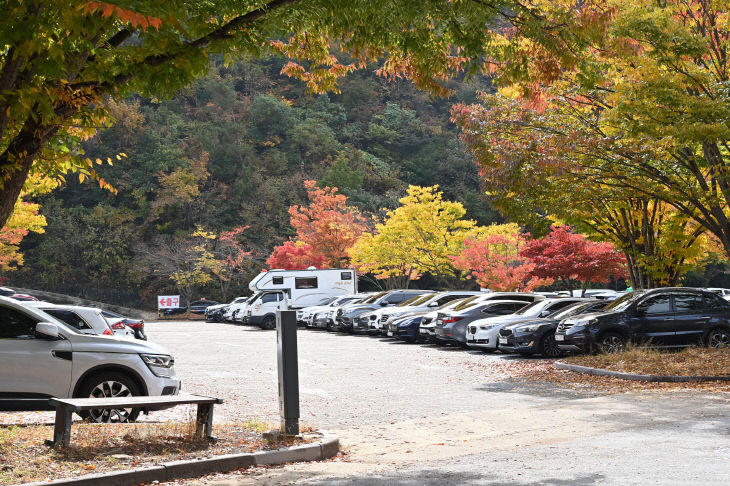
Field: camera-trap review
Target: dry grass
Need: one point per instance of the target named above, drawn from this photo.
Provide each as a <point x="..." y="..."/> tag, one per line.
<point x="694" y="361"/>
<point x="691" y="361"/>
<point x="106" y="447"/>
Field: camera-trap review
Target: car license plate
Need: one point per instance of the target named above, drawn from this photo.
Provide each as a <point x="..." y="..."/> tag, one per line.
<point x="502" y="340"/>
<point x="390" y="333"/>
<point x="559" y="337"/>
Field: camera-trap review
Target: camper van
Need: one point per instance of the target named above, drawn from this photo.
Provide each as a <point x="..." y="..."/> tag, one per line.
<point x="295" y="289"/>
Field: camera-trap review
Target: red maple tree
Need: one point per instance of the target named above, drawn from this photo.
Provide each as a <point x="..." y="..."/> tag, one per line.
<point x="568" y="256"/>
<point x="294" y="256"/>
<point x="494" y="262"/>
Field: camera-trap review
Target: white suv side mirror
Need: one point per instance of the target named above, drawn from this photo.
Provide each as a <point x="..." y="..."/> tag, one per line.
<point x="47" y="329"/>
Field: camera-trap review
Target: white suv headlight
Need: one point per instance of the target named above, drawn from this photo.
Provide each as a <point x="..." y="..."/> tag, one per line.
<point x="159" y="364"/>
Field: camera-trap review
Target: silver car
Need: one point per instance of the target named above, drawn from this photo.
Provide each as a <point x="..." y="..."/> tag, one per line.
<point x="42" y="357"/>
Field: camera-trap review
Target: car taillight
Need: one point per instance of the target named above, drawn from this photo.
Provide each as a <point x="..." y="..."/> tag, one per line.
<point x="448" y="320"/>
<point x="137" y="325"/>
<point x="108" y="332"/>
<point x="118" y="325"/>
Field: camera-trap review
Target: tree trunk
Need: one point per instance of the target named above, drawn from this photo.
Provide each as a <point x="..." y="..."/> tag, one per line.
<point x="17" y="159"/>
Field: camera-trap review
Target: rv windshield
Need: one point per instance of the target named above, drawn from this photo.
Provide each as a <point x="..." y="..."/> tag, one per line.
<point x="253" y="297"/>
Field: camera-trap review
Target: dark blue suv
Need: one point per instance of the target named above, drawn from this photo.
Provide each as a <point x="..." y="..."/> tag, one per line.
<point x="668" y="317"/>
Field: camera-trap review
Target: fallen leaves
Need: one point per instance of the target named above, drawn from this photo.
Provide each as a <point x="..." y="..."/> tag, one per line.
<point x="93" y="447"/>
<point x="693" y="361"/>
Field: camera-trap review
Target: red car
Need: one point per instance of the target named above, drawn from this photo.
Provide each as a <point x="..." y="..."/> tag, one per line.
<point x="119" y="322"/>
<point x="8" y="292"/>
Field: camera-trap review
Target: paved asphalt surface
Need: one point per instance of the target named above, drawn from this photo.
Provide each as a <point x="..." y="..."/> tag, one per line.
<point x="425" y="415"/>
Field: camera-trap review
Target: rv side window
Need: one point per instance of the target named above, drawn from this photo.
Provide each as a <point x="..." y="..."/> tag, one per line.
<point x="269" y="298"/>
<point x="345" y="276"/>
<point x="278" y="280"/>
<point x="305" y="282"/>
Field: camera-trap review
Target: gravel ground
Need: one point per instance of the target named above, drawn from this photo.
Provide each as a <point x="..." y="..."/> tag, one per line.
<point x="345" y="380"/>
<point x="421" y="414"/>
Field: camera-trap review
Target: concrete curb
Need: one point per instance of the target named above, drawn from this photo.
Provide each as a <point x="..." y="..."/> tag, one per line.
<point x="328" y="447"/>
<point x="631" y="376"/>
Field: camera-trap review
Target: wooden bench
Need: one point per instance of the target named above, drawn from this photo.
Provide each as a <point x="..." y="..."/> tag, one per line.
<point x="65" y="407"/>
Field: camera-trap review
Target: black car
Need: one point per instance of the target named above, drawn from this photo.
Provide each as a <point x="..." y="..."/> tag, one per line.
<point x="669" y="317"/>
<point x="538" y="336"/>
<point x="199" y="306"/>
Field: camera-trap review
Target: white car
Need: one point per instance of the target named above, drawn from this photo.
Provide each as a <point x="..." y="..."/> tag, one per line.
<point x="86" y="320"/>
<point x="235" y="312"/>
<point x="724" y="293"/>
<point x="42" y="357"/>
<point x="305" y="314"/>
<point x="216" y="312"/>
<point x="484" y="333"/>
<point x="309" y="320"/>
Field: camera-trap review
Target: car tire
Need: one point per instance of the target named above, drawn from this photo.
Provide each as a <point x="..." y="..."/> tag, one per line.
<point x="329" y="326"/>
<point x="611" y="342"/>
<point x="109" y="385"/>
<point x="718" y="338"/>
<point x="549" y="347"/>
<point x="269" y="323"/>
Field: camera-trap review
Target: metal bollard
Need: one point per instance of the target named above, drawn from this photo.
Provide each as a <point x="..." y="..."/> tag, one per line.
<point x="286" y="337"/>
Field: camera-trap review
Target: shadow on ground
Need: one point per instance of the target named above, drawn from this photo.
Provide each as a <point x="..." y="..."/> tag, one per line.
<point x="439" y="478"/>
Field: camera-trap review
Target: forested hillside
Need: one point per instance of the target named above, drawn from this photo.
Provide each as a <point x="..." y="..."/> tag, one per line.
<point x="234" y="150"/>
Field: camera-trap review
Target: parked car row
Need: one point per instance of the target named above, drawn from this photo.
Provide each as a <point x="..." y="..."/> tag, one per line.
<point x="195" y="307"/>
<point x="517" y="322"/>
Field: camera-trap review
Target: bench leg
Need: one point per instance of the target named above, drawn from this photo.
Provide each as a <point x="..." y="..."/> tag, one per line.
<point x="62" y="426"/>
<point x="204" y="422"/>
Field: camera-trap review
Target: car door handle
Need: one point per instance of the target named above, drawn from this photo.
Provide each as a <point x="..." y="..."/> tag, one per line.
<point x="65" y="355"/>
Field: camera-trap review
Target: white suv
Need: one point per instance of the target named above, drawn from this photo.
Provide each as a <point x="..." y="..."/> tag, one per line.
<point x="42" y="357"/>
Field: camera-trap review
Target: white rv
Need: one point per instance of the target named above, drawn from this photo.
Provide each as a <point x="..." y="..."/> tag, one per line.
<point x="295" y="289"/>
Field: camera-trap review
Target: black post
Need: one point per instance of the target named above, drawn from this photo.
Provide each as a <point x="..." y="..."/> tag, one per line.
<point x="286" y="335"/>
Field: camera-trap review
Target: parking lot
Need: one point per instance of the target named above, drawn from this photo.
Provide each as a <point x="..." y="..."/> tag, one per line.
<point x="421" y="414"/>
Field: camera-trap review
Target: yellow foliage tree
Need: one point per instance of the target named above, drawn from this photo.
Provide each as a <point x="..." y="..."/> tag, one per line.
<point x="418" y="237"/>
<point x="24" y="219"/>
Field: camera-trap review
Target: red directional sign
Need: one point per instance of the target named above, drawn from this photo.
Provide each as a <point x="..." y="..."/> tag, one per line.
<point x="168" y="301"/>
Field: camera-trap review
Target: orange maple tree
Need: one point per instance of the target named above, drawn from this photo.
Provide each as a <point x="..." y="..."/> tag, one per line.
<point x="327" y="224"/>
